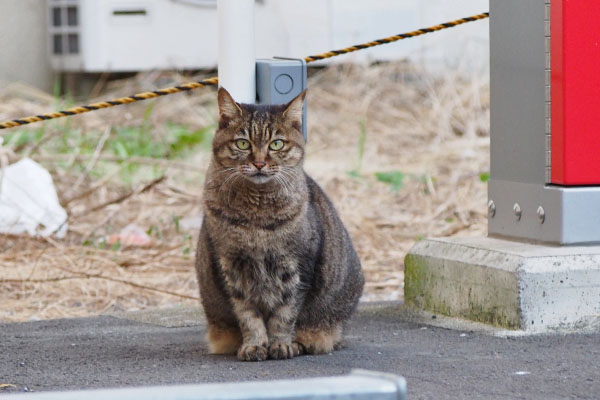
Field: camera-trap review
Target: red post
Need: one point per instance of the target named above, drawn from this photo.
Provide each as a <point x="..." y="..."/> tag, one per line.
<point x="575" y="92"/>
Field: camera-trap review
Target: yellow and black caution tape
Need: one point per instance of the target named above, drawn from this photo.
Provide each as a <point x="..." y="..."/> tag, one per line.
<point x="214" y="80"/>
<point x="395" y="38"/>
<point x="110" y="103"/>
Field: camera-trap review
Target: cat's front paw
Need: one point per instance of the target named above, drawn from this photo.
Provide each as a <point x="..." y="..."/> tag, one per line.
<point x="299" y="348"/>
<point x="282" y="351"/>
<point x="252" y="353"/>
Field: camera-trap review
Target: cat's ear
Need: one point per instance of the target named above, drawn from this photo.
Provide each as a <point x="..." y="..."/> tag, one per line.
<point x="228" y="108"/>
<point x="293" y="110"/>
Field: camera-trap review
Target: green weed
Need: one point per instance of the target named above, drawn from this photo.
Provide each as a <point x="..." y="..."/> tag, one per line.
<point x="362" y="139"/>
<point x="22" y="138"/>
<point x="393" y="178"/>
<point x="175" y="141"/>
<point x="176" y="219"/>
<point x="187" y="247"/>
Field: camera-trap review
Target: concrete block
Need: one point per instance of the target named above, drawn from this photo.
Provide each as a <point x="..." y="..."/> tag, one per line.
<point x="513" y="285"/>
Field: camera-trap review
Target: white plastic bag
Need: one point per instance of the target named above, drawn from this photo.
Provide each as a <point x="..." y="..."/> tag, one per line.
<point x="28" y="201"/>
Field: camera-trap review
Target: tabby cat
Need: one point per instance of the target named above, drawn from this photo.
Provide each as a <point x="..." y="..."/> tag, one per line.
<point x="277" y="272"/>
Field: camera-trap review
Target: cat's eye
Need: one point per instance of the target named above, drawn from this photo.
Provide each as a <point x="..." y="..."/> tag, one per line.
<point x="276" y="145"/>
<point x="242" y="144"/>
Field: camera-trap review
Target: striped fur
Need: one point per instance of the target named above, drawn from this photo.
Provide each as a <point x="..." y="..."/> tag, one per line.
<point x="275" y="264"/>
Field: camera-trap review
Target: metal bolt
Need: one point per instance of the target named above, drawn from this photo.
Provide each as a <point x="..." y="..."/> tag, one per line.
<point x="517" y="211"/>
<point x="541" y="213"/>
<point x="491" y="209"/>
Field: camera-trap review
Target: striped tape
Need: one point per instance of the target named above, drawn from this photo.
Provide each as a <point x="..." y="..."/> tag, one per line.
<point x="395" y="38"/>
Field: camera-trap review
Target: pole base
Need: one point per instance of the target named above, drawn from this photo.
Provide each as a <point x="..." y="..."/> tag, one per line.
<point x="511" y="285"/>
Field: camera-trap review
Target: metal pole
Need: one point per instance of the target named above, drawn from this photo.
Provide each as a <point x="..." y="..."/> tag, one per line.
<point x="236" y="56"/>
<point x="359" y="385"/>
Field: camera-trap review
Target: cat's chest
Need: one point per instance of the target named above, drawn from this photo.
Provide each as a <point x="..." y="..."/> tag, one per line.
<point x="234" y="230"/>
<point x="267" y="280"/>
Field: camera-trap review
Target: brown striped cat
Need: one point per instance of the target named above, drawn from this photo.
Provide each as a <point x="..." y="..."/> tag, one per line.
<point x="277" y="271"/>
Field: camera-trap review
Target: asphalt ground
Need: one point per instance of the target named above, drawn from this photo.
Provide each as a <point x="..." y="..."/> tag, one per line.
<point x="439" y="357"/>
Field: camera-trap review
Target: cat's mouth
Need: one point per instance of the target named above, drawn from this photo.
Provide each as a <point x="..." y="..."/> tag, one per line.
<point x="260" y="177"/>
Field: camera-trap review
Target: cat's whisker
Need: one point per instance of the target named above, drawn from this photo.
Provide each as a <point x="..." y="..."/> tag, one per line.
<point x="231" y="178"/>
<point x="224" y="183"/>
<point x="289" y="177"/>
<point x="282" y="184"/>
<point x="230" y="187"/>
<point x="287" y="182"/>
<point x="292" y="170"/>
<point x="218" y="175"/>
<point x="288" y="170"/>
<point x="223" y="171"/>
<point x="279" y="177"/>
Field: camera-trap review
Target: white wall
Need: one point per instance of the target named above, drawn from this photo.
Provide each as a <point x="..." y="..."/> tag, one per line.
<point x="465" y="47"/>
<point x="297" y="28"/>
<point x="23" y="43"/>
<point x="166" y="37"/>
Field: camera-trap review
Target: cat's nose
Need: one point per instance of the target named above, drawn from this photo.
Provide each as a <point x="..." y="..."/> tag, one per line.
<point x="259" y="164"/>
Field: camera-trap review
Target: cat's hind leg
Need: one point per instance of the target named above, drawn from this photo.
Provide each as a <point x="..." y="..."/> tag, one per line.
<point x="223" y="340"/>
<point x="318" y="341"/>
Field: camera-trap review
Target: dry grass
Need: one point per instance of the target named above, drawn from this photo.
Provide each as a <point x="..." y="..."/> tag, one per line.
<point x="433" y="130"/>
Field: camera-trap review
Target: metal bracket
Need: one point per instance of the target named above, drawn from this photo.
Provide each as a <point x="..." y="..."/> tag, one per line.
<point x="544" y="213"/>
<point x="279" y="80"/>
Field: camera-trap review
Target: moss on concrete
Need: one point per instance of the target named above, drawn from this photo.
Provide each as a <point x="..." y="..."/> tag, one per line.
<point x="494" y="316"/>
<point x="414" y="280"/>
<point x="420" y="282"/>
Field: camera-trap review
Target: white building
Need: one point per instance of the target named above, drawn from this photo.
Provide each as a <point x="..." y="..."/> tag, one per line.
<point x="132" y="35"/>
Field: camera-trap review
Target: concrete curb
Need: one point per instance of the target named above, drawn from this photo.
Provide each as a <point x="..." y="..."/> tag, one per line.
<point x="515" y="286"/>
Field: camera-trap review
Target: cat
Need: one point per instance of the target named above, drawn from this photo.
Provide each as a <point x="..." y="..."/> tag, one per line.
<point x="277" y="271"/>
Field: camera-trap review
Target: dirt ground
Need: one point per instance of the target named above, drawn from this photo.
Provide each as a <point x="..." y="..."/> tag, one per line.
<point x="403" y="155"/>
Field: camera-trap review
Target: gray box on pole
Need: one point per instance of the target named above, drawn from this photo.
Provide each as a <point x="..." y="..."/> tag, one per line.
<point x="279" y="80"/>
